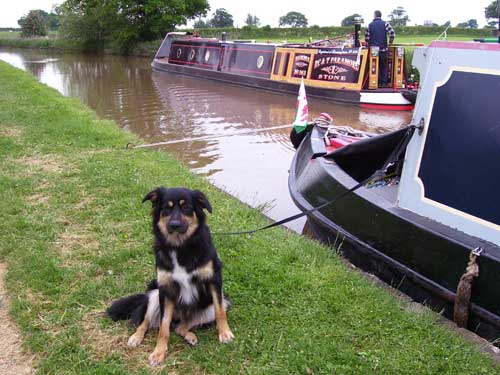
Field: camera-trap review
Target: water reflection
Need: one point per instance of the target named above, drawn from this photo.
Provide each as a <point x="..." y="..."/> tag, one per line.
<point x="162" y="107"/>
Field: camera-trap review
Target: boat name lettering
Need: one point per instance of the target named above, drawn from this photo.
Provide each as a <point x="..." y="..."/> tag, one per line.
<point x="299" y="73"/>
<point x="331" y="77"/>
<point x="338" y="52"/>
<point x="330" y="60"/>
<point x="302" y="58"/>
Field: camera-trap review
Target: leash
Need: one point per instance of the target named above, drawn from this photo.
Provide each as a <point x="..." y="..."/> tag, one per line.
<point x="304" y="213"/>
<point x="376" y="176"/>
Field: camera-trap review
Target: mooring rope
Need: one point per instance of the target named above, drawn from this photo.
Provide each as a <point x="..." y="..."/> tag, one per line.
<point x="208" y="137"/>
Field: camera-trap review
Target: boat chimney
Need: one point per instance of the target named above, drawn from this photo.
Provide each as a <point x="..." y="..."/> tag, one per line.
<point x="357" y="29"/>
<point x="223" y="36"/>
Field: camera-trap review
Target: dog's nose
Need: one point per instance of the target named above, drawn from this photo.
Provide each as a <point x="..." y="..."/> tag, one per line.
<point x="174" y="225"/>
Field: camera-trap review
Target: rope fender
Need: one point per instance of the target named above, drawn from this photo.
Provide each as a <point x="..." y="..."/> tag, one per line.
<point x="464" y="289"/>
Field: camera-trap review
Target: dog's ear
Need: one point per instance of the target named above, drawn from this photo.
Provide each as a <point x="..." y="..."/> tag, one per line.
<point x="202" y="200"/>
<point x="153" y="196"/>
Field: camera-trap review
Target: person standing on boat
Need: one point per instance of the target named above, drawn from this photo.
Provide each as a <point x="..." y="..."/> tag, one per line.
<point x="376" y="35"/>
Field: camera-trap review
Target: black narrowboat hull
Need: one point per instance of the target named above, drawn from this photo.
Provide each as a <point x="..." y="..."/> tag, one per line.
<point x="342" y="96"/>
<point x="421" y="257"/>
<point x="258" y="83"/>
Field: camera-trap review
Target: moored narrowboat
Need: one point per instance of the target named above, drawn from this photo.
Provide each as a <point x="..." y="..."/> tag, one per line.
<point x="343" y="73"/>
<point x="431" y="225"/>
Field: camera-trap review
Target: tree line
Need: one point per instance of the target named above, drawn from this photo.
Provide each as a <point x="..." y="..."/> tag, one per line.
<point x="96" y="24"/>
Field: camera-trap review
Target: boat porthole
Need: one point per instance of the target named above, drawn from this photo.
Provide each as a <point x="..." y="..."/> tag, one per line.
<point x="179" y="51"/>
<point x="260" y="62"/>
<point x="192" y="53"/>
<point x="207" y="56"/>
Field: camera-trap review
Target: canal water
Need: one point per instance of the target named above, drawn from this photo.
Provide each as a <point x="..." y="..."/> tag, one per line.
<point x="158" y="107"/>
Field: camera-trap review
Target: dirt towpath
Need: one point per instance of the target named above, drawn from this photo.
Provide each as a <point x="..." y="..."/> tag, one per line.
<point x="13" y="360"/>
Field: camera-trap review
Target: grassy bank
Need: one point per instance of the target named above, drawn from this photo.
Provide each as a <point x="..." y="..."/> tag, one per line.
<point x="75" y="236"/>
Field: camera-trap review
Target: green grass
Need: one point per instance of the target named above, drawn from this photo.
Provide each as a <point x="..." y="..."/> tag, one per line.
<point x="75" y="236"/>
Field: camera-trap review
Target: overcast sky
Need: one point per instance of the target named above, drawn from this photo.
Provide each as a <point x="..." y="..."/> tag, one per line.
<point x="322" y="13"/>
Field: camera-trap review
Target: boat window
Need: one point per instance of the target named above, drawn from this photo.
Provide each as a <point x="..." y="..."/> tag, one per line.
<point x="277" y="63"/>
<point x="284" y="72"/>
<point x="459" y="165"/>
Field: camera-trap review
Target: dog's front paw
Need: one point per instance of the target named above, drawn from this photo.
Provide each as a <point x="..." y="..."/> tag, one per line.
<point x="135" y="340"/>
<point x="191" y="338"/>
<point x="157" y="357"/>
<point x="226" y="336"/>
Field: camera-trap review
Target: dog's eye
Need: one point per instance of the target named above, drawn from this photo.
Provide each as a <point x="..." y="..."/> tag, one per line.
<point x="186" y="208"/>
<point x="166" y="211"/>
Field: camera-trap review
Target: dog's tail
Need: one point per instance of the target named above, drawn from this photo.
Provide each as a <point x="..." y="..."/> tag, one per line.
<point x="131" y="307"/>
<point x="128" y="307"/>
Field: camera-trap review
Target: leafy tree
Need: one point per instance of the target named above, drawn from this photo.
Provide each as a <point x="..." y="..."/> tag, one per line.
<point x="33" y="24"/>
<point x="491" y="25"/>
<point x="123" y="23"/>
<point x="200" y="24"/>
<point x="470" y="24"/>
<point x="293" y="19"/>
<point x="54" y="19"/>
<point x="51" y="19"/>
<point x="221" y="18"/>
<point x="492" y="10"/>
<point x="252" y="20"/>
<point x="349" y="20"/>
<point x="399" y="17"/>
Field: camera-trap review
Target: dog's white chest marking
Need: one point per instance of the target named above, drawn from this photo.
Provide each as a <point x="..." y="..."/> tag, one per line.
<point x="188" y="291"/>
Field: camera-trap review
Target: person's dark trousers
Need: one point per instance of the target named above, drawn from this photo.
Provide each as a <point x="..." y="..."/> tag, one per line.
<point x="382" y="68"/>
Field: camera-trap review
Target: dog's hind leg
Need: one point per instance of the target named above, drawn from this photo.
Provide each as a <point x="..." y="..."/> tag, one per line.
<point x="202" y="317"/>
<point x="184" y="330"/>
<point x="149" y="319"/>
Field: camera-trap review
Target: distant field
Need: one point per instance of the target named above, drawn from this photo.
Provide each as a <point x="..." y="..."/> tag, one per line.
<point x="8" y="34"/>
<point x="17" y="34"/>
<point x="426" y="39"/>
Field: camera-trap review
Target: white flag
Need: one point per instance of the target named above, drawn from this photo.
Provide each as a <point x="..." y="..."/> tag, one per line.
<point x="300" y="122"/>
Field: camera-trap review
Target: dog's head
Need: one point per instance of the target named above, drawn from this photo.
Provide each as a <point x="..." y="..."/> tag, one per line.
<point x="177" y="213"/>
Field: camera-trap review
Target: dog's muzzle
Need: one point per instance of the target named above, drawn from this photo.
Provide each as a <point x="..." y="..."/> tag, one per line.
<point x="176" y="226"/>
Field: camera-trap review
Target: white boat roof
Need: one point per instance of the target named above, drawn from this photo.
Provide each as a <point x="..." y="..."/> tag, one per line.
<point x="451" y="172"/>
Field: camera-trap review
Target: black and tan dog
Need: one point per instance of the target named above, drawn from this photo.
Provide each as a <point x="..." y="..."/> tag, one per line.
<point x="188" y="284"/>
